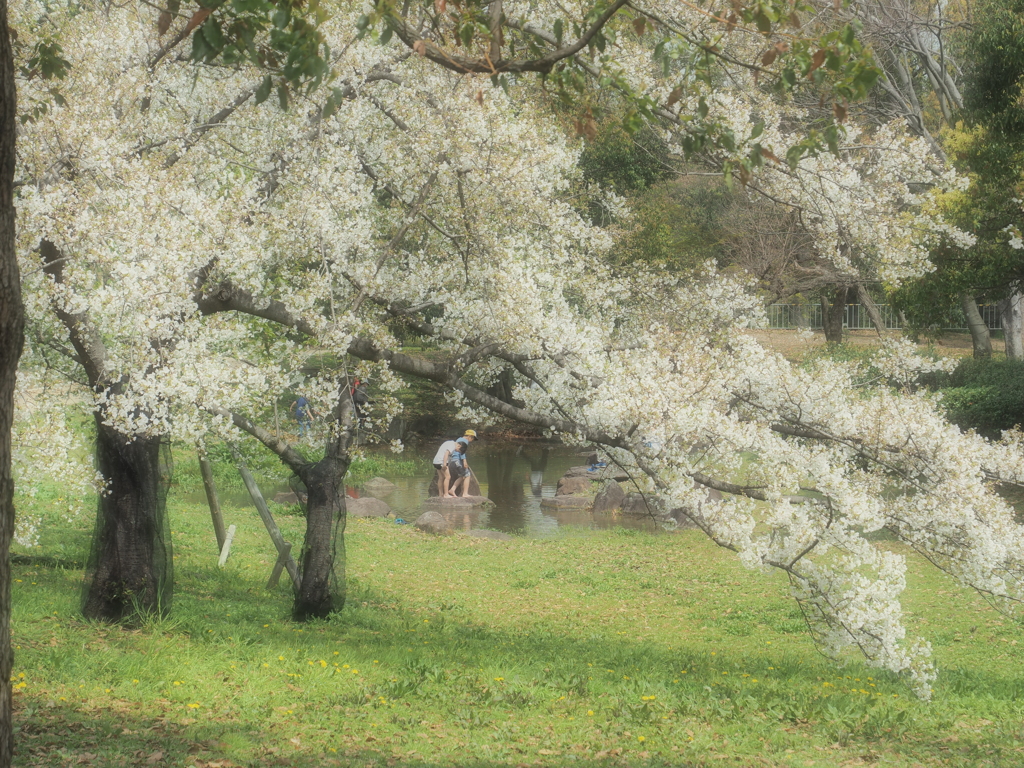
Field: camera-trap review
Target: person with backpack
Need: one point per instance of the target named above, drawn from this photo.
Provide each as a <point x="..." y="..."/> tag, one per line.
<point x="303" y="414"/>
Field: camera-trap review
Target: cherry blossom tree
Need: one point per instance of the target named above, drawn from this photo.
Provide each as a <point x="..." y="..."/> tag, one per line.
<point x="189" y="245"/>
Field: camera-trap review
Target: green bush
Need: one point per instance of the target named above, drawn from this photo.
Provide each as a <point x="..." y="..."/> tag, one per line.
<point x="986" y="395"/>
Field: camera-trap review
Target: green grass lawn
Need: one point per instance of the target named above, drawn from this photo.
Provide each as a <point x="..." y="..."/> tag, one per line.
<point x="595" y="648"/>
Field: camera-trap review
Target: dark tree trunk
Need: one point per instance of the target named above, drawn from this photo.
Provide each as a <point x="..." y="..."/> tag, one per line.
<point x="322" y="589"/>
<point x="12" y="328"/>
<point x="981" y="339"/>
<point x="130" y="568"/>
<point x="832" y="315"/>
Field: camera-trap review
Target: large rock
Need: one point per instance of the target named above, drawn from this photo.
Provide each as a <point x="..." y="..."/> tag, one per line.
<point x="458" y="502"/>
<point x="566" y="502"/>
<point x="367" y="506"/>
<point x="604" y="473"/>
<point x="379" y="485"/>
<point x="568" y="486"/>
<point x="433" y="522"/>
<point x="483" y="533"/>
<point x="643" y="505"/>
<point x="288" y="498"/>
<point x="610" y="497"/>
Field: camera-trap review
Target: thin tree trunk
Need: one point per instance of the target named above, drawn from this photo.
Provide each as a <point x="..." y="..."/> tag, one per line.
<point x="872" y="309"/>
<point x="832" y="314"/>
<point x="12" y="329"/>
<point x="981" y="340"/>
<point x="1013" y="325"/>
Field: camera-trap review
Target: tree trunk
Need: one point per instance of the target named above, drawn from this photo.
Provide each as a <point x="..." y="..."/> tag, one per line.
<point x="322" y="589"/>
<point x="12" y="328"/>
<point x="832" y="315"/>
<point x="130" y="568"/>
<point x="980" y="338"/>
<point x="872" y="309"/>
<point x="1013" y="325"/>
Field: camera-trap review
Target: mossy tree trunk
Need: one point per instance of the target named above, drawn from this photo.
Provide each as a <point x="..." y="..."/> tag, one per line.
<point x="129" y="573"/>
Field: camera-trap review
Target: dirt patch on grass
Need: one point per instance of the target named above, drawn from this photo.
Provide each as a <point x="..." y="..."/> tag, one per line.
<point x="794" y="345"/>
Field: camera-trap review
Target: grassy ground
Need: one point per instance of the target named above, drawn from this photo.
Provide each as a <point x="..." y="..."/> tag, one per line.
<point x="596" y="648"/>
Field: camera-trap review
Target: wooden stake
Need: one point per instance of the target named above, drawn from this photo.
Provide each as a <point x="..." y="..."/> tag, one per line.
<point x="279" y="565"/>
<point x="283" y="548"/>
<point x="226" y="549"/>
<point x="211" y="498"/>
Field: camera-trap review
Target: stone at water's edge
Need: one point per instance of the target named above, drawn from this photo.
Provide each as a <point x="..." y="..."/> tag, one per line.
<point x="568" y="486"/>
<point x="566" y="502"/>
<point x="286" y="497"/>
<point x="610" y="497"/>
<point x="481" y="533"/>
<point x="644" y="505"/>
<point x="367" y="506"/>
<point x="431" y="521"/>
<point x="379" y="485"/>
<point x="605" y="473"/>
<point x="458" y="502"/>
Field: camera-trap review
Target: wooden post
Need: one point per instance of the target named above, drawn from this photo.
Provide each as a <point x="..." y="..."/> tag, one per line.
<point x="211" y="497"/>
<point x="279" y="566"/>
<point x="226" y="549"/>
<point x="277" y="422"/>
<point x="268" y="519"/>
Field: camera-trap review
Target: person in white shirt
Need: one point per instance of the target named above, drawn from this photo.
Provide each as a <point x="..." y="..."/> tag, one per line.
<point x="441" y="459"/>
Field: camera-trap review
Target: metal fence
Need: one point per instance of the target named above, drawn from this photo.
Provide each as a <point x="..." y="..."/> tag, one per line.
<point x="855" y="317"/>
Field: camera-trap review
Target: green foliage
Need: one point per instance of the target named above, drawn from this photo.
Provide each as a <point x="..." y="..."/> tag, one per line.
<point x="678" y="224"/>
<point x="623" y="161"/>
<point x="281" y="38"/>
<point x="986" y="395"/>
<point x="992" y="51"/>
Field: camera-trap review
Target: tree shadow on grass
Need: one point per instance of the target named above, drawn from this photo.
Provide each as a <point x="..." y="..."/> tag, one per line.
<point x="59" y="736"/>
<point x="446" y="667"/>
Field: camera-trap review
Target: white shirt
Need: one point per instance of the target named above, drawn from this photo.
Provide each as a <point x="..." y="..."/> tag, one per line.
<point x="449" y="446"/>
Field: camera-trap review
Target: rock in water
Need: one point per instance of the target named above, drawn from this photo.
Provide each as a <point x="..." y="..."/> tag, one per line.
<point x="458" y="502"/>
<point x="379" y="485"/>
<point x="568" y="486"/>
<point x="609" y="497"/>
<point x="566" y="502"/>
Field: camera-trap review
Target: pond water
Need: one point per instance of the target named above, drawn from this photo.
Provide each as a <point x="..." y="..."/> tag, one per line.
<point x="515" y="478"/>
